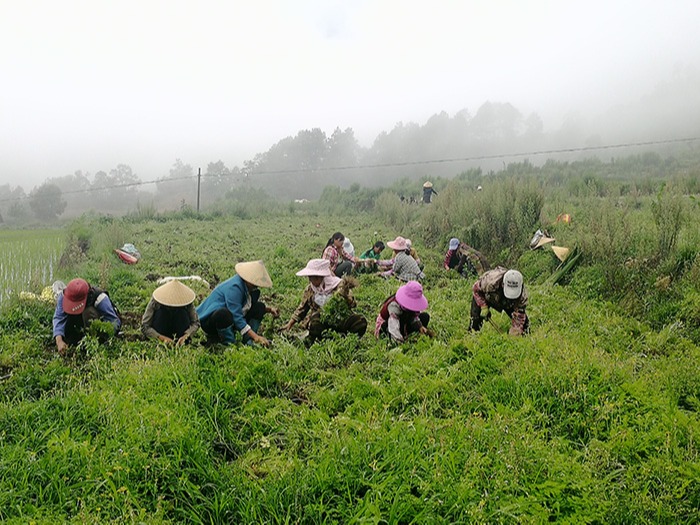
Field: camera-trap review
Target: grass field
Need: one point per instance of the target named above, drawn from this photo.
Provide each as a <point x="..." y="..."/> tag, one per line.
<point x="592" y="418"/>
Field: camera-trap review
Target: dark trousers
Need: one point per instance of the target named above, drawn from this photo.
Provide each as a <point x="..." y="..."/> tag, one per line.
<point x="222" y="319"/>
<point x="343" y="268"/>
<point x="353" y="324"/>
<point x="477" y="321"/>
<point x="171" y="321"/>
<point x="408" y="328"/>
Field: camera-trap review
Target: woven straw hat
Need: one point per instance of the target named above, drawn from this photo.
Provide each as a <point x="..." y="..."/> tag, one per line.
<point x="255" y="273"/>
<point x="316" y="268"/>
<point x="427" y="184"/>
<point x="561" y="252"/>
<point x="174" y="293"/>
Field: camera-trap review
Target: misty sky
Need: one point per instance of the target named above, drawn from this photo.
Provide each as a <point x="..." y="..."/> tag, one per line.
<point x="89" y="84"/>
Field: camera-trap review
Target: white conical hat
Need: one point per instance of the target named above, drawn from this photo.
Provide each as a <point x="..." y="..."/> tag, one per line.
<point x="255" y="273"/>
<point x="561" y="252"/>
<point x="174" y="293"/>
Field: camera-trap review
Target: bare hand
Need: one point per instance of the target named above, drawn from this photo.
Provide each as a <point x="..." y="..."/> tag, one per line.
<point x="181" y="341"/>
<point x="274" y="311"/>
<point x="262" y="341"/>
<point x="61" y="346"/>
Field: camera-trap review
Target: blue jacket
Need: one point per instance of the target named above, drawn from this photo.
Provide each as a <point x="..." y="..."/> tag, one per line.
<point x="232" y="294"/>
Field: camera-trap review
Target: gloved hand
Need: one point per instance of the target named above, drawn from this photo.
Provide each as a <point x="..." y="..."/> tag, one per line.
<point x="485" y="312"/>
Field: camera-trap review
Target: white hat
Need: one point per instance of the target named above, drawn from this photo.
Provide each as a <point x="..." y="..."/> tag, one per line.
<point x="512" y="284"/>
<point x="427" y="184"/>
<point x="348" y="247"/>
<point x="174" y="293"/>
<point x="255" y="273"/>
<point x="454" y="243"/>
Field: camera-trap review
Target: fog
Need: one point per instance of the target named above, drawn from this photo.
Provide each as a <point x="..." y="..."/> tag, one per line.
<point x="88" y="86"/>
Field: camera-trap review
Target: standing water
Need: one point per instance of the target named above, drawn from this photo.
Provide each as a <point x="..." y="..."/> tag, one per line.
<point x="27" y="260"/>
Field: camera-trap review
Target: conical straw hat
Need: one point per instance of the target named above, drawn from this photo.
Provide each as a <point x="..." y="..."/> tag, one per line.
<point x="427" y="184"/>
<point x="561" y="252"/>
<point x="543" y="241"/>
<point x="255" y="273"/>
<point x="174" y="293"/>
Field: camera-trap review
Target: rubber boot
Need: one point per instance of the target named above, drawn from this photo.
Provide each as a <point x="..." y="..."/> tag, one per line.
<point x="226" y="335"/>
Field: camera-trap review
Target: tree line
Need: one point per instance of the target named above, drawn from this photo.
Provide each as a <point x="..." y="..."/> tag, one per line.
<point x="301" y="166"/>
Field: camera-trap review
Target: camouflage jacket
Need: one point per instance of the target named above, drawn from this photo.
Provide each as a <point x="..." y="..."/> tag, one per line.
<point x="488" y="291"/>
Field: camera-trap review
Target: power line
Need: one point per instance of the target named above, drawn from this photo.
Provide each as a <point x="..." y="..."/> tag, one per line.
<point x="246" y="173"/>
<point x="480" y="157"/>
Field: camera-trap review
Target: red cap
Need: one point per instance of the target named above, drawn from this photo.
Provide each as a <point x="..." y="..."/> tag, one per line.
<point x="75" y="296"/>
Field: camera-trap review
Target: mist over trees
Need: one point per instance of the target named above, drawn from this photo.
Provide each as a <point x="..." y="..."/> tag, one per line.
<point x="301" y="166"/>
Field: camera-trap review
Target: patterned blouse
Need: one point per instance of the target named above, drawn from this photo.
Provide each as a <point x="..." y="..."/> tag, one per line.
<point x="334" y="256"/>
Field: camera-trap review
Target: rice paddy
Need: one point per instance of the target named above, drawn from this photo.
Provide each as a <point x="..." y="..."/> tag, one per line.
<point x="28" y="260"/>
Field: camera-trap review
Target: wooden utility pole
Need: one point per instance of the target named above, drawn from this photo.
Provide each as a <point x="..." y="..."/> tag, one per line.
<point x="199" y="183"/>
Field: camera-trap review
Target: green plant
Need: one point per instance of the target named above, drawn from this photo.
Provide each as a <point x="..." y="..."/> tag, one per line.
<point x="667" y="211"/>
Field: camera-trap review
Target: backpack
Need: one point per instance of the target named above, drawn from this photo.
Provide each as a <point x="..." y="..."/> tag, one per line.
<point x="97" y="295"/>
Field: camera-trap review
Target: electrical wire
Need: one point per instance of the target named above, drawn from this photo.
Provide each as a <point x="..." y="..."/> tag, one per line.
<point x="247" y="174"/>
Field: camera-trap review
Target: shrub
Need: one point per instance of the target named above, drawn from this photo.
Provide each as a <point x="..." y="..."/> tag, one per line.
<point x="667" y="211"/>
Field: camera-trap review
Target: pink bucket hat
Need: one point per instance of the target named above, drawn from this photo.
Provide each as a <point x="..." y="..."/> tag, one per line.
<point x="398" y="244"/>
<point x="316" y="267"/>
<point x="410" y="297"/>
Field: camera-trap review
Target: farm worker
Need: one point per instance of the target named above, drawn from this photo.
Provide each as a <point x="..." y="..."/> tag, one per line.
<point x="502" y="290"/>
<point x="323" y="285"/>
<point x="340" y="260"/>
<point x="348" y="247"/>
<point x="460" y="255"/>
<point x="170" y="315"/>
<point x="235" y="305"/>
<point x="402" y="314"/>
<point x="369" y="258"/>
<point x="76" y="307"/>
<point x="374" y="252"/>
<point x="413" y="253"/>
<point x="428" y="191"/>
<point x="403" y="266"/>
